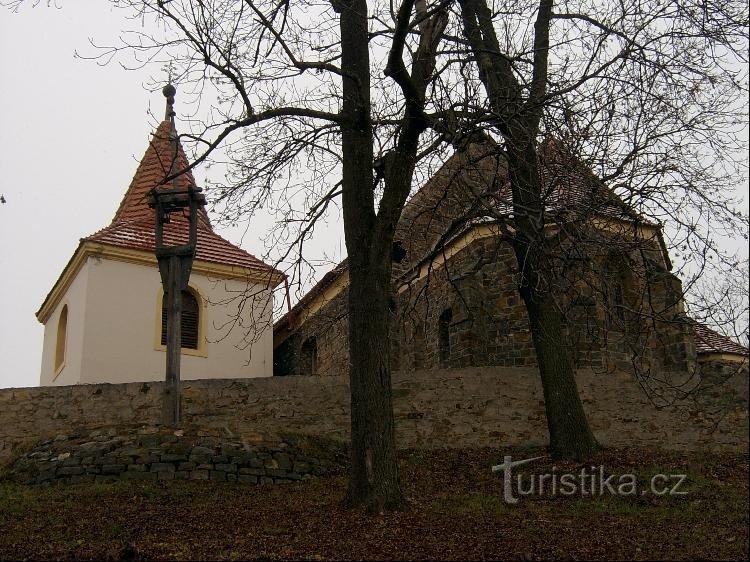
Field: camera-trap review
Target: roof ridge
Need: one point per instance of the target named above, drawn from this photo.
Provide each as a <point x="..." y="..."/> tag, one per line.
<point x="153" y="168"/>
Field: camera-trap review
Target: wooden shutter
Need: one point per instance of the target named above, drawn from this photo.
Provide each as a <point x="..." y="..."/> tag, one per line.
<point x="190" y="320"/>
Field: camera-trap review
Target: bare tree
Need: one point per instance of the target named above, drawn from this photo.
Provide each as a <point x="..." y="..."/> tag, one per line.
<point x="649" y="95"/>
<point x="294" y="112"/>
<point x="304" y="94"/>
<point x="723" y="302"/>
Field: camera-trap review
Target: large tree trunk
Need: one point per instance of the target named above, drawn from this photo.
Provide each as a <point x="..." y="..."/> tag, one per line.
<point x="569" y="431"/>
<point x="374" y="478"/>
<point x="374" y="473"/>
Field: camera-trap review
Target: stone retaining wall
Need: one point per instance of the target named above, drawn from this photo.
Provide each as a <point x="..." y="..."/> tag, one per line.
<point x="151" y="454"/>
<point x="489" y="406"/>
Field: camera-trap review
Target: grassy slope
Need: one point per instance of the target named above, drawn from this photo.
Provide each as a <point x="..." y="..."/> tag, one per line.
<point x="456" y="512"/>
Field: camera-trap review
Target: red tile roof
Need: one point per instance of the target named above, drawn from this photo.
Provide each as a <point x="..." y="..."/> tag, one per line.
<point x="133" y="223"/>
<point x="153" y="169"/>
<point x="211" y="247"/>
<point x="709" y="341"/>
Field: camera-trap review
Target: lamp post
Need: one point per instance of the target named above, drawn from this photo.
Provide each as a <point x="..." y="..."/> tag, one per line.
<point x="175" y="263"/>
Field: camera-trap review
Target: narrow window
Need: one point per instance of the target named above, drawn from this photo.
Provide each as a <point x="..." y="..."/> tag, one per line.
<point x="309" y="357"/>
<point x="444" y="337"/>
<point x="618" y="298"/>
<point x="190" y="320"/>
<point x="420" y="347"/>
<point x="62" y="335"/>
<point x="618" y="279"/>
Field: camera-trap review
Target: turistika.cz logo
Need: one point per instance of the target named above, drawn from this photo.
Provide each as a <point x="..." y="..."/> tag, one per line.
<point x="589" y="481"/>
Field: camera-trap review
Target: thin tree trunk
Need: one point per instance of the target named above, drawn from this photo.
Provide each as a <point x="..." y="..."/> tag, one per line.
<point x="569" y="431"/>
<point x="517" y="118"/>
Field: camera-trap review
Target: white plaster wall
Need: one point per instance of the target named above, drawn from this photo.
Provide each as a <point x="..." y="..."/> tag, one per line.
<point x="123" y="320"/>
<point x="75" y="298"/>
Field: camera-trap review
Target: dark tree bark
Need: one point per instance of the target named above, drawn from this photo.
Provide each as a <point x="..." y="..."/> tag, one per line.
<point x="374" y="480"/>
<point x="374" y="474"/>
<point x="517" y="118"/>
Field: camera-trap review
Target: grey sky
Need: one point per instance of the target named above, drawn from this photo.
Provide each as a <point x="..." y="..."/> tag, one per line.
<point x="71" y="138"/>
<point x="72" y="133"/>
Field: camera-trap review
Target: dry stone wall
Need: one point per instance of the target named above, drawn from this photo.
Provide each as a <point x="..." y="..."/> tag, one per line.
<point x="163" y="454"/>
<point x="490" y="406"/>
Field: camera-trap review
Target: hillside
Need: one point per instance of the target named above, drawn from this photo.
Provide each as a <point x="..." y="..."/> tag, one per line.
<point x="456" y="511"/>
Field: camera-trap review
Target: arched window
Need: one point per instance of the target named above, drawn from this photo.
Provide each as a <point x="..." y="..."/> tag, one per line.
<point x="62" y="335"/>
<point x="617" y="296"/>
<point x="190" y="320"/>
<point x="309" y="357"/>
<point x="444" y="337"/>
<point x="618" y="288"/>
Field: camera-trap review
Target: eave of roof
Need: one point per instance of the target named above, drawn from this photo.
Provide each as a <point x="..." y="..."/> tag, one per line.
<point x="407" y="276"/>
<point x="318" y="289"/>
<point x="89" y="248"/>
<point x="708" y="341"/>
<point x="210" y="246"/>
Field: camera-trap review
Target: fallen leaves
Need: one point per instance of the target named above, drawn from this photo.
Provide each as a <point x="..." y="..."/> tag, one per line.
<point x="456" y="512"/>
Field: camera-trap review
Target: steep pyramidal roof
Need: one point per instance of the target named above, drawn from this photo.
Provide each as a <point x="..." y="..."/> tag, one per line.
<point x="153" y="169"/>
<point x="133" y="224"/>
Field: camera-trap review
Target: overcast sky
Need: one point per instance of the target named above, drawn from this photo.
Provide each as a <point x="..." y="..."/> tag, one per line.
<point x="71" y="136"/>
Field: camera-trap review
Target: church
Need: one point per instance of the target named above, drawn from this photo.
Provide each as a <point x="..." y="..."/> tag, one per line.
<point x="456" y="302"/>
<point x="105" y="316"/>
<point x="455" y="279"/>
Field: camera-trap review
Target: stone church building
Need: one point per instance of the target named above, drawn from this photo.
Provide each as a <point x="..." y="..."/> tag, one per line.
<point x="105" y="316"/>
<point x="456" y="302"/>
<point x="456" y="282"/>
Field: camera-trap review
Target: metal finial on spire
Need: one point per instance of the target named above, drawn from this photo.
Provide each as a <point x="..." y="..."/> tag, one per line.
<point x="169" y="91"/>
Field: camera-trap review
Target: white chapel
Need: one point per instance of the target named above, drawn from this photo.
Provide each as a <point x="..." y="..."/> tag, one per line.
<point x="105" y="320"/>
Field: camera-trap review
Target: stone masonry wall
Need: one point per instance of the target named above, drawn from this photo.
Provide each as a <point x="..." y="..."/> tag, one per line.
<point x="622" y="309"/>
<point x="153" y="453"/>
<point x="326" y="334"/>
<point x="619" y="320"/>
<point x="490" y="406"/>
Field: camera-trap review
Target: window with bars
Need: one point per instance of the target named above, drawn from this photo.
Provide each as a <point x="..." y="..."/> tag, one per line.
<point x="619" y="290"/>
<point x="309" y="357"/>
<point x="190" y="320"/>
